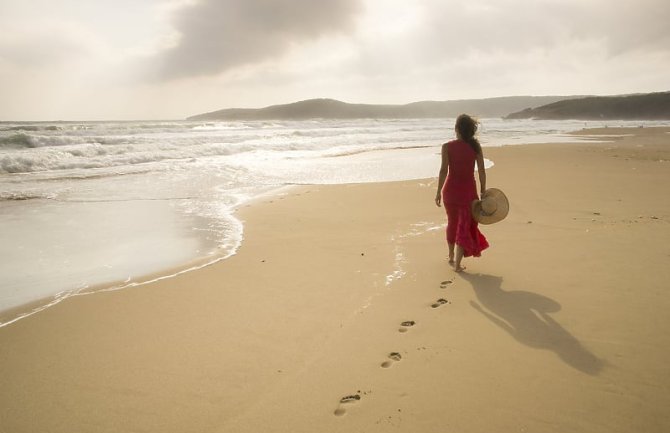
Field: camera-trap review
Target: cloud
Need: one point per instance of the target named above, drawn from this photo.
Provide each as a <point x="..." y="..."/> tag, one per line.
<point x="498" y="47"/>
<point x="633" y="26"/>
<point x="518" y="25"/>
<point x="173" y="58"/>
<point x="218" y="35"/>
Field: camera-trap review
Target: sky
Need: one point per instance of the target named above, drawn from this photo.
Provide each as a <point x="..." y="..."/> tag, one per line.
<point x="169" y="59"/>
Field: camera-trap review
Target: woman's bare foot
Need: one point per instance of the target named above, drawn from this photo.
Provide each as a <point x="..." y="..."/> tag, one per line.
<point x="451" y="253"/>
<point x="459" y="256"/>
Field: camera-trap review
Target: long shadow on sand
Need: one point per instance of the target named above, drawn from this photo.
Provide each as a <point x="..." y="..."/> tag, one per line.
<point x="525" y="316"/>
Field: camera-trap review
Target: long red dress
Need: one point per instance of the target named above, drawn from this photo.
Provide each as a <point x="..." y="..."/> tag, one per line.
<point x="459" y="190"/>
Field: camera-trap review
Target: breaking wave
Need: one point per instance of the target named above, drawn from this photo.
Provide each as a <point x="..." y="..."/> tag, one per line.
<point x="36" y="148"/>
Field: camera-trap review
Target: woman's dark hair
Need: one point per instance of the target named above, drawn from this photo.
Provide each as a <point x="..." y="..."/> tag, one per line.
<point x="466" y="127"/>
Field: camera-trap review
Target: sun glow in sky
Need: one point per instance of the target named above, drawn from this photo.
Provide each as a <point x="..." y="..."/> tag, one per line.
<point x="168" y="59"/>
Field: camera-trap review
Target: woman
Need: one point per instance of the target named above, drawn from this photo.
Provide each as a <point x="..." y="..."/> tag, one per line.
<point x="457" y="189"/>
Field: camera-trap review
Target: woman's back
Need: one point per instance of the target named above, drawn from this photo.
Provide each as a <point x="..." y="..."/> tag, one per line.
<point x="460" y="187"/>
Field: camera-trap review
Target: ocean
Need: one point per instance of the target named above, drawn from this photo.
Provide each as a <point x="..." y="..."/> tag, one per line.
<point x="85" y="205"/>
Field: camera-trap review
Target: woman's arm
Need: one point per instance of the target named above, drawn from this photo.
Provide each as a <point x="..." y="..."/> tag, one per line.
<point x="444" y="170"/>
<point x="481" y="169"/>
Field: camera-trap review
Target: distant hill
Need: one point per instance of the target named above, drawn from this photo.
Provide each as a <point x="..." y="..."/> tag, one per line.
<point x="650" y="106"/>
<point x="333" y="109"/>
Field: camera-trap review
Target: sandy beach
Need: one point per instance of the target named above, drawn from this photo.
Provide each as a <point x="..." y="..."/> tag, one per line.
<point x="340" y="313"/>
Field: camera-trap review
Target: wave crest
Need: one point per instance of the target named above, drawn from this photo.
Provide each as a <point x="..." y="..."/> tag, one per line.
<point x="21" y="196"/>
<point x="17" y="141"/>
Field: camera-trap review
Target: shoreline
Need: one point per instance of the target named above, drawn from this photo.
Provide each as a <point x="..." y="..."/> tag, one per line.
<point x="10" y="315"/>
<point x="19" y="312"/>
<point x="33" y="306"/>
<point x="555" y="328"/>
<point x="61" y="266"/>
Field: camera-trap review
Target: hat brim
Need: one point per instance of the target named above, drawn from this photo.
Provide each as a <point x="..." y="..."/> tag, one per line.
<point x="502" y="207"/>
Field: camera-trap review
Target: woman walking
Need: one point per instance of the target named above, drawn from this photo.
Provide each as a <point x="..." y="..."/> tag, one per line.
<point x="457" y="189"/>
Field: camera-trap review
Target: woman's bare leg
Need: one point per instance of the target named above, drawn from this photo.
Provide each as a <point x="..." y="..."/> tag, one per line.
<point x="451" y="253"/>
<point x="459" y="257"/>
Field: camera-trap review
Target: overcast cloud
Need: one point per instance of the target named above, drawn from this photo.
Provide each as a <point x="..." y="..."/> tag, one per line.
<point x="174" y="58"/>
<point x="216" y="35"/>
<point x="518" y="25"/>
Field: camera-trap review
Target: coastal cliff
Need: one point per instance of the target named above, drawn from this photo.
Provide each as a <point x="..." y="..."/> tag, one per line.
<point x="650" y="106"/>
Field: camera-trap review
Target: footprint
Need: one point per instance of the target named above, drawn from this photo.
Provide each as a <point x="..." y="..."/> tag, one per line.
<point x="405" y="325"/>
<point x="393" y="357"/>
<point x="444" y="284"/>
<point x="347" y="399"/>
<point x="439" y="302"/>
<point x="350" y="398"/>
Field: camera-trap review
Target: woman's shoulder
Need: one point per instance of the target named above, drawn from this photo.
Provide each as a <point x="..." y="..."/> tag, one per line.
<point x="454" y="143"/>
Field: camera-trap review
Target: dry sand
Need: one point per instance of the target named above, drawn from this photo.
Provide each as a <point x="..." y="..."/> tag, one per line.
<point x="561" y="326"/>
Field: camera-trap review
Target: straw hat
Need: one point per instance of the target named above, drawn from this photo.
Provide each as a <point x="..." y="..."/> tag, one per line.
<point x="493" y="207"/>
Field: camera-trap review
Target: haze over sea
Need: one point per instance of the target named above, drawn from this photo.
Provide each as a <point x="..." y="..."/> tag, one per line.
<point x="84" y="204"/>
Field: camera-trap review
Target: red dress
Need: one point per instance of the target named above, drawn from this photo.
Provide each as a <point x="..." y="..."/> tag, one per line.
<point x="459" y="190"/>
